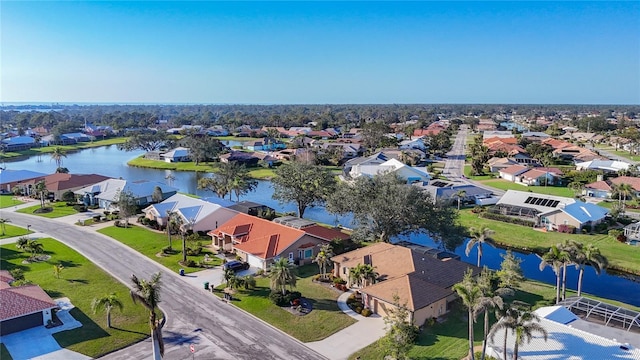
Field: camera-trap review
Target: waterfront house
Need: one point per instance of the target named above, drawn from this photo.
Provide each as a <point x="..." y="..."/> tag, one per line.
<point x="18" y="143"/>
<point x="59" y="183"/>
<point x="407" y="173"/>
<point x="604" y="188"/>
<point x="179" y="154"/>
<point x="105" y="193"/>
<point x="11" y="178"/>
<point x="196" y="214"/>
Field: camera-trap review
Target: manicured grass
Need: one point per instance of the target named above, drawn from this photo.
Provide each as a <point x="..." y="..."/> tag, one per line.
<point x="81" y="281"/>
<point x="4" y="353"/>
<point x="467" y="173"/>
<point x="449" y="340"/>
<point x="548" y="190"/>
<point x="150" y="244"/>
<point x="325" y="318"/>
<point x="261" y="173"/>
<point x="66" y="148"/>
<point x="621" y="256"/>
<point x="241" y="139"/>
<point x="177" y="166"/>
<point x="622" y="153"/>
<point x="60" y="209"/>
<point x="609" y="205"/>
<point x="8" y="201"/>
<point x="12" y="231"/>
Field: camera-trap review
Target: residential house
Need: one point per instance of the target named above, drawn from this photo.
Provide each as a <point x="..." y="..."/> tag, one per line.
<point x="179" y="154"/>
<point x="608" y="166"/>
<point x="408" y="173"/>
<point x="632" y="232"/>
<point x="11" y="178"/>
<point x="433" y="129"/>
<point x="252" y="208"/>
<point x="105" y="193"/>
<point x="512" y="172"/>
<point x="348" y="150"/>
<point x="217" y="130"/>
<point x="312" y="228"/>
<point x="195" y="214"/>
<point x="497" y="134"/>
<point x="415" y="144"/>
<point x="23" y="307"/>
<point x="241" y="157"/>
<point x="260" y="242"/>
<point x="266" y="144"/>
<point x="321" y="134"/>
<point x="537" y="177"/>
<point x="73" y="138"/>
<point x="529" y="205"/>
<point x="59" y="183"/>
<point x="422" y="282"/>
<point x="604" y="188"/>
<point x="445" y="191"/>
<point x="18" y="143"/>
<point x="375" y="159"/>
<point x="496" y="164"/>
<point x="578" y="215"/>
<point x="535" y="136"/>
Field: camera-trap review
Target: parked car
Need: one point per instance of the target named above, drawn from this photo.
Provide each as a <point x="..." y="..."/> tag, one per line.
<point x="236" y="265"/>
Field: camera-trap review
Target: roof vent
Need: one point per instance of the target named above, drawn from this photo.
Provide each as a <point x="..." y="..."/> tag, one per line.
<point x="423" y="260"/>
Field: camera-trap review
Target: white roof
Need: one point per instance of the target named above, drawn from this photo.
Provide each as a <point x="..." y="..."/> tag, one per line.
<point x="610" y="165"/>
<point x="530" y="200"/>
<point x="108" y="189"/>
<point x="565" y="341"/>
<point x="177" y="152"/>
<point x="391" y="165"/>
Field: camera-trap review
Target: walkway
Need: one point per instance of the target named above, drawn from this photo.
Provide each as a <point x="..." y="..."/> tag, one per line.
<point x="353" y="338"/>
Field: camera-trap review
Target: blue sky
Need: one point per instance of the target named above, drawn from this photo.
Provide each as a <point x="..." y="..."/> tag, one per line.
<point x="321" y="52"/>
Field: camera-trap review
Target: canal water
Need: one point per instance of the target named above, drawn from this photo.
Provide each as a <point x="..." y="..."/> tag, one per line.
<point x="112" y="162"/>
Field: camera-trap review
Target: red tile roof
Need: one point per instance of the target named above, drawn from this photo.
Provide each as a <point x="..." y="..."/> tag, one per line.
<point x="607" y="184"/>
<point x="534" y="174"/>
<point x="325" y="233"/>
<point x="599" y="185"/>
<point x="514" y="169"/>
<point x="23" y="300"/>
<point x="259" y="237"/>
<point x="509" y="140"/>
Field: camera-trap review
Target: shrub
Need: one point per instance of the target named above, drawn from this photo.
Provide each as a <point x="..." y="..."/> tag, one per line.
<point x="567" y="229"/>
<point x="430" y="321"/>
<point x="507" y="219"/>
<point x="96" y="218"/>
<point x="587" y="227"/>
<point x="260" y="272"/>
<point x="366" y="312"/>
<point x="601" y="228"/>
<point x="277" y="298"/>
<point x="117" y="223"/>
<point x="351" y="299"/>
<point x="79" y="208"/>
<point x="190" y="263"/>
<point x="106" y="212"/>
<point x="358" y="310"/>
<point x="167" y="250"/>
<point x="338" y="280"/>
<point x="68" y="196"/>
<point x="194" y="250"/>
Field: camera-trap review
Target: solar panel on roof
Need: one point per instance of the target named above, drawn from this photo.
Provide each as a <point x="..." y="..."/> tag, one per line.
<point x="528" y="201"/>
<point x="554" y="203"/>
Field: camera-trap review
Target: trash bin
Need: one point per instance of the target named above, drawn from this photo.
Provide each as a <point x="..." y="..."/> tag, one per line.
<point x="206" y="285"/>
<point x="181" y="271"/>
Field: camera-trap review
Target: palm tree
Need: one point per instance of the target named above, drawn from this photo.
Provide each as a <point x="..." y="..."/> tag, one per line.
<point x="323" y="259"/>
<point x="525" y="325"/>
<point x="41" y="190"/>
<point x="461" y="194"/>
<point x="368" y="274"/>
<point x="147" y="293"/>
<point x="487" y="302"/>
<point x="589" y="255"/>
<point x="57" y="270"/>
<point x="624" y="191"/>
<point x="170" y="224"/>
<point x="478" y="237"/>
<point x="57" y="155"/>
<point x="470" y="293"/>
<point x="507" y="317"/>
<point x="107" y="302"/>
<point x="34" y="247"/>
<point x="555" y="258"/>
<point x="282" y="275"/>
<point x="3" y="224"/>
<point x="22" y="243"/>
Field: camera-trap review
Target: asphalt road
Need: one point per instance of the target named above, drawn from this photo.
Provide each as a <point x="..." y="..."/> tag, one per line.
<point x="218" y="330"/>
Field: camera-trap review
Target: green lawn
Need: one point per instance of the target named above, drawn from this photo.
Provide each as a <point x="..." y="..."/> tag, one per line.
<point x="81" y="281"/>
<point x="150" y="244"/>
<point x="467" y="173"/>
<point x="449" y="340"/>
<point x="60" y="209"/>
<point x="609" y="205"/>
<point x="177" y="166"/>
<point x="4" y="353"/>
<point x="67" y="148"/>
<point x="8" y="201"/>
<point x="622" y="153"/>
<point x="325" y="318"/>
<point x="548" y="190"/>
<point x="261" y="173"/>
<point x="12" y="231"/>
<point x="621" y="256"/>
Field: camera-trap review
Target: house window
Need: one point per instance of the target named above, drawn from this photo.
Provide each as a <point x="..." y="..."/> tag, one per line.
<point x="290" y="256"/>
<point x="308" y="253"/>
<point x="301" y="254"/>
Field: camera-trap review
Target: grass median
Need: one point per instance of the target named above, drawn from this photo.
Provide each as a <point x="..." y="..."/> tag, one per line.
<point x="59" y="209"/>
<point x="9" y="201"/>
<point x="324" y="320"/>
<point x="13" y="231"/>
<point x="150" y="243"/>
<point x="82" y="281"/>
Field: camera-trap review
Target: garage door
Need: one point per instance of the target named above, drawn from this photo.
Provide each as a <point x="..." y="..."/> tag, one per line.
<point x="254" y="261"/>
<point x="21" y="323"/>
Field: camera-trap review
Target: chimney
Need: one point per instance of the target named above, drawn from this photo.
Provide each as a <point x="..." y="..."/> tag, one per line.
<point x="367" y="259"/>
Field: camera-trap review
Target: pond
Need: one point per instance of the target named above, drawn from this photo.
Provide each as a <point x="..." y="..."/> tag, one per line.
<point x="112" y="162"/>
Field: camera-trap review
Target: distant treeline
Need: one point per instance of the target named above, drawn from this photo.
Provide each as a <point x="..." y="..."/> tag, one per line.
<point x="128" y="116"/>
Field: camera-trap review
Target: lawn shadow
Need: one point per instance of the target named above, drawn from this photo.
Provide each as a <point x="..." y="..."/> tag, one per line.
<point x="66" y="263"/>
<point x="530" y="298"/>
<point x="129" y="331"/>
<point x="80" y="281"/>
<point x="324" y="304"/>
<point x="54" y="294"/>
<point x="90" y="330"/>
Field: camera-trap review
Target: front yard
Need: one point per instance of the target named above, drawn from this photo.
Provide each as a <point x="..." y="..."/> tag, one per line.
<point x="8" y="201"/>
<point x="325" y="318"/>
<point x="81" y="281"/>
<point x="621" y="256"/>
<point x="150" y="244"/>
<point x="60" y="209"/>
<point x="12" y="231"/>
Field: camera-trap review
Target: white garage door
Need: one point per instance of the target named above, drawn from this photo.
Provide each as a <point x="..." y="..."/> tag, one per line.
<point x="255" y="261"/>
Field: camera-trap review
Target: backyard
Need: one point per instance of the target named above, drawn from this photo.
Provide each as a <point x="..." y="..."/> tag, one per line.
<point x="67" y="148"/>
<point x="150" y="243"/>
<point x="60" y="209"/>
<point x="548" y="190"/>
<point x="256" y="172"/>
<point x="449" y="340"/>
<point x="81" y="281"/>
<point x="325" y="318"/>
<point x="621" y="256"/>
